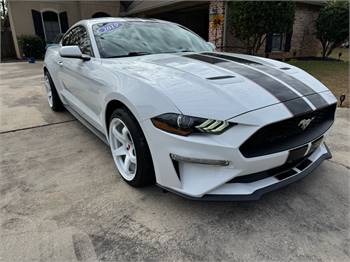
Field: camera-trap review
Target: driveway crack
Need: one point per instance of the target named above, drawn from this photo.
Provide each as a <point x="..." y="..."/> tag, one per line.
<point x="38" y="126"/>
<point x="341" y="164"/>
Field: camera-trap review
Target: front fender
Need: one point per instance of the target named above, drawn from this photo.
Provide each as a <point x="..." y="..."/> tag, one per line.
<point x="143" y="100"/>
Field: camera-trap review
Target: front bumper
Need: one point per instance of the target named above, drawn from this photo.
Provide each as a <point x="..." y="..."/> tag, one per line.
<point x="266" y="184"/>
<point x="196" y="180"/>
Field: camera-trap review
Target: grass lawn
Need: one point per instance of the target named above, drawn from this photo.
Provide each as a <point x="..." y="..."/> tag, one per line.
<point x="344" y="53"/>
<point x="333" y="74"/>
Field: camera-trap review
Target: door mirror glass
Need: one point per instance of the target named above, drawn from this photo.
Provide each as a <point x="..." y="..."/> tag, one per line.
<point x="73" y="51"/>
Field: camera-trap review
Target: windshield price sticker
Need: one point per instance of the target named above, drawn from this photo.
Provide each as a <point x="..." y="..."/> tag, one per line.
<point x="109" y="27"/>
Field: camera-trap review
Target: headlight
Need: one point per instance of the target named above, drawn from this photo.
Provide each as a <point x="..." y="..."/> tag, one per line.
<point x="186" y="125"/>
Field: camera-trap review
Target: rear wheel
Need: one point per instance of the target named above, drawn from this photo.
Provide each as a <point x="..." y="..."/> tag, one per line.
<point x="129" y="149"/>
<point x="53" y="98"/>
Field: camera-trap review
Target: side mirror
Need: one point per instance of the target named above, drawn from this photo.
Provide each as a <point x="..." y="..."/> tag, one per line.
<point x="73" y="51"/>
<point x="212" y="45"/>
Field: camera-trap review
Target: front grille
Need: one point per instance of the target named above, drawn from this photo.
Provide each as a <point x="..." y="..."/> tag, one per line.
<point x="287" y="134"/>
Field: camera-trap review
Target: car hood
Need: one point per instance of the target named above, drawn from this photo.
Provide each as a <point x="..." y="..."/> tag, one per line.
<point x="207" y="85"/>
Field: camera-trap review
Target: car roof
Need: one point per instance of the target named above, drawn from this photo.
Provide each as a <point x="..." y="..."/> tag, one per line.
<point x="89" y="22"/>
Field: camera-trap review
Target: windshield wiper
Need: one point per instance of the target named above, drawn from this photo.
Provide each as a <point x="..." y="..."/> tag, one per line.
<point x="131" y="54"/>
<point x="177" y="51"/>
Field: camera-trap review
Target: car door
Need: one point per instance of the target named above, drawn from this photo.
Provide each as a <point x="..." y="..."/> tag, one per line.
<point x="80" y="79"/>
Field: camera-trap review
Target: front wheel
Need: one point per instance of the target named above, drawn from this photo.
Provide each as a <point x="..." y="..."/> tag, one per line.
<point x="52" y="96"/>
<point x="129" y="149"/>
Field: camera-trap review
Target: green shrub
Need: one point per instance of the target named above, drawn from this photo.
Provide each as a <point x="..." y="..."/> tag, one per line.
<point x="32" y="46"/>
<point x="251" y="21"/>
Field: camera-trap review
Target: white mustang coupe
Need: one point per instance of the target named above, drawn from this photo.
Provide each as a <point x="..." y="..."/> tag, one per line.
<point x="202" y="124"/>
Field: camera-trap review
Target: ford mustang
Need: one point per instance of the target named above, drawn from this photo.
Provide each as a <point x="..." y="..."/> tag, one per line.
<point x="200" y="123"/>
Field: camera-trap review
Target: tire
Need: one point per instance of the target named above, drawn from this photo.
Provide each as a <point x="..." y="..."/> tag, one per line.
<point x="132" y="145"/>
<point x="53" y="98"/>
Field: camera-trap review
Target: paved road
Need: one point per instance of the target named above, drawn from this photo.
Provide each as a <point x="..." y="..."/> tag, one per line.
<point x="61" y="200"/>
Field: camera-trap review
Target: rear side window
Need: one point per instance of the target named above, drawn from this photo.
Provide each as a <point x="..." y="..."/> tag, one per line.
<point x="78" y="36"/>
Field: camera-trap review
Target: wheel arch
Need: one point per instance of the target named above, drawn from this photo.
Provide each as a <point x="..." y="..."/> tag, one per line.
<point x="114" y="104"/>
<point x="110" y="107"/>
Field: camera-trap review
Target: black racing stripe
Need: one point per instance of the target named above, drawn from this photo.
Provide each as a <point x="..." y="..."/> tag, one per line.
<point x="317" y="100"/>
<point x="297" y="106"/>
<point x="278" y="90"/>
<point x="208" y="59"/>
<point x="298" y="85"/>
<point x="234" y="59"/>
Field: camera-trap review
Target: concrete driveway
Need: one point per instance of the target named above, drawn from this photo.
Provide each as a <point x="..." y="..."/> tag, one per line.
<point x="61" y="199"/>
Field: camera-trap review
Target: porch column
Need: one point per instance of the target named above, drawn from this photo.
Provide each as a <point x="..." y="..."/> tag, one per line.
<point x="217" y="23"/>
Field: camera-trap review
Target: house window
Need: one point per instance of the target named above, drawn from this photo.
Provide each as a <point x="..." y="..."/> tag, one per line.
<point x="52" y="27"/>
<point x="48" y="25"/>
<point x="278" y="42"/>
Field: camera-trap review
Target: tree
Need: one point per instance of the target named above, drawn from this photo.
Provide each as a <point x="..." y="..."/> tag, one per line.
<point x="251" y="21"/>
<point x="332" y="26"/>
<point x="5" y="23"/>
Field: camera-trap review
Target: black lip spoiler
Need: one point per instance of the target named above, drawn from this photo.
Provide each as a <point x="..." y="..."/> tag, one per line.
<point x="260" y="192"/>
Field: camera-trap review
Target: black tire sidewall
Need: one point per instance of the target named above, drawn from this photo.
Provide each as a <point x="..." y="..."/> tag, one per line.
<point x="56" y="101"/>
<point x="145" y="172"/>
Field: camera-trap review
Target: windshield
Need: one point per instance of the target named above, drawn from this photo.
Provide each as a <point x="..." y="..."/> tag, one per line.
<point x="118" y="39"/>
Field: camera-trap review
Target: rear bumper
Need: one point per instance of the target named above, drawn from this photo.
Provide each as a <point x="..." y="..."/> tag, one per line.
<point x="321" y="154"/>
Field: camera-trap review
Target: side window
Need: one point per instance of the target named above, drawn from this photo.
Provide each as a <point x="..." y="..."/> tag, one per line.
<point x="78" y="36"/>
<point x="66" y="38"/>
<point x="84" y="41"/>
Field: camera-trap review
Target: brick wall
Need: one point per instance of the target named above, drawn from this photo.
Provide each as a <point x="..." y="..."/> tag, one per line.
<point x="304" y="41"/>
<point x="216" y="23"/>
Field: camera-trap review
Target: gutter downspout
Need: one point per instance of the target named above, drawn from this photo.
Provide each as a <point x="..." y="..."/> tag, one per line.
<point x="13" y="31"/>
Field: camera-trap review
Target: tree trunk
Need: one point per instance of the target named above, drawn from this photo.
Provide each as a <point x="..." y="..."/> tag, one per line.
<point x="324" y="49"/>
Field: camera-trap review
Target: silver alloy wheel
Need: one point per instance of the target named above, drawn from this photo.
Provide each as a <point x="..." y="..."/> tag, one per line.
<point x="123" y="149"/>
<point x="48" y="89"/>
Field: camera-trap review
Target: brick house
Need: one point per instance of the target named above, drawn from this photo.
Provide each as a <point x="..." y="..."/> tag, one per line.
<point x="207" y="18"/>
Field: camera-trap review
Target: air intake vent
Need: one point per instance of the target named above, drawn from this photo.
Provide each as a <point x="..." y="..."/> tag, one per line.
<point x="219" y="77"/>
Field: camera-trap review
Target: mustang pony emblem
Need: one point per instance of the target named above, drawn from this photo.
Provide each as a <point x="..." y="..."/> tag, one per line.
<point x="303" y="124"/>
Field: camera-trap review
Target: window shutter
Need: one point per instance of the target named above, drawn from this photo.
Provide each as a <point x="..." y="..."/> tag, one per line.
<point x="38" y="24"/>
<point x="288" y="42"/>
<point x="268" y="46"/>
<point x="64" y="22"/>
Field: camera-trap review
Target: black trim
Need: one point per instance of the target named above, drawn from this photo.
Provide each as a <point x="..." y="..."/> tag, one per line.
<point x="176" y="167"/>
<point x="275" y="88"/>
<point x="87" y="124"/>
<point x="260" y="192"/>
<point x="297" y="154"/>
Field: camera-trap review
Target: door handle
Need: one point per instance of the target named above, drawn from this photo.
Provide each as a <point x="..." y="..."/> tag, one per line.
<point x="60" y="63"/>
